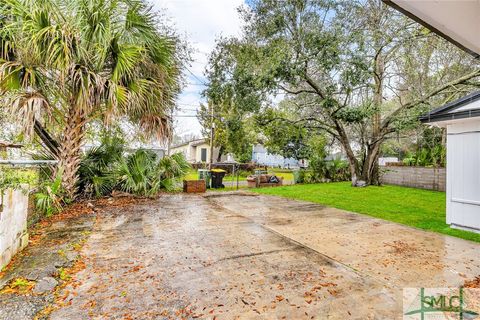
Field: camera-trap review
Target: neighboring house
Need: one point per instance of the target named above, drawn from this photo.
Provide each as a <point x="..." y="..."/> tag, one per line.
<point x="261" y="156"/>
<point x="196" y="151"/>
<point x="336" y="156"/>
<point x="458" y="22"/>
<point x="382" y="161"/>
<point x="160" y="152"/>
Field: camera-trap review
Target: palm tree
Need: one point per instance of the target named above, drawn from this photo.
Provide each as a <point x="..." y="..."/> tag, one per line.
<point x="64" y="63"/>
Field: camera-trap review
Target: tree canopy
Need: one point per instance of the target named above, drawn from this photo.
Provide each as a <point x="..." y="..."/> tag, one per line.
<point x="355" y="70"/>
<point x="65" y="63"/>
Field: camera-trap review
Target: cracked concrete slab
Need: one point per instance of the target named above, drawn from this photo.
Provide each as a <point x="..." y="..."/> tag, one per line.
<point x="399" y="255"/>
<point x="41" y="262"/>
<point x="238" y="256"/>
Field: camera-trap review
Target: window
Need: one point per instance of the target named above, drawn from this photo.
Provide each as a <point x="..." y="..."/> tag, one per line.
<point x="203" y="155"/>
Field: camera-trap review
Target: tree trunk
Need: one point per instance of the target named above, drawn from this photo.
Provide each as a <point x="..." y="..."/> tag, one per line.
<point x="220" y="153"/>
<point x="352" y="160"/>
<point x="370" y="169"/>
<point x="46" y="139"/>
<point x="353" y="171"/>
<point x="69" y="150"/>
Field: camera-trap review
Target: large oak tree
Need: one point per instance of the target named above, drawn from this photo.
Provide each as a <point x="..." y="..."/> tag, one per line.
<point x="357" y="70"/>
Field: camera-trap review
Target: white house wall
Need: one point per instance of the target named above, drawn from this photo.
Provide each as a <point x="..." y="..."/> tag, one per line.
<point x="193" y="153"/>
<point x="198" y="153"/>
<point x="261" y="156"/>
<point x="185" y="150"/>
<point x="463" y="174"/>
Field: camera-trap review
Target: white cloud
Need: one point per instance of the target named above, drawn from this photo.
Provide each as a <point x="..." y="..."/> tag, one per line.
<point x="202" y="21"/>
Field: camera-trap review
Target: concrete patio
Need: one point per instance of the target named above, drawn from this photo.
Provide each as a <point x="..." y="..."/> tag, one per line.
<point x="246" y="256"/>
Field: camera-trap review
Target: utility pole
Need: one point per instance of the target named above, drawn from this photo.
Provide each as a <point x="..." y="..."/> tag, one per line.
<point x="169" y="141"/>
<point x="212" y="136"/>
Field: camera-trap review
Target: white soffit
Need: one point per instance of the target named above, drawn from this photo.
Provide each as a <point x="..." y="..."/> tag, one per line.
<point x="456" y="20"/>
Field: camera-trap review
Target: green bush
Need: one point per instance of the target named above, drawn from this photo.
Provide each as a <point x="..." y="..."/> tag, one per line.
<point x="427" y="157"/>
<point x="50" y="198"/>
<point x="14" y="178"/>
<point x="332" y="170"/>
<point x="141" y="173"/>
<point x="96" y="169"/>
<point x="172" y="169"/>
<point x="106" y="168"/>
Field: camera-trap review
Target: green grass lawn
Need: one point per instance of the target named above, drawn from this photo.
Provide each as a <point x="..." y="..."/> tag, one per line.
<point x="286" y="174"/>
<point x="413" y="207"/>
<point x="192" y="175"/>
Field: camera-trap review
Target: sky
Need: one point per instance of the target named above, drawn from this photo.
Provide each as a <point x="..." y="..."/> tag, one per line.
<point x="200" y="22"/>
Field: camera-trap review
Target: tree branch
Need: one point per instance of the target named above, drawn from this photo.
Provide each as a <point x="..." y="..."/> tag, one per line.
<point x="423" y="99"/>
<point x="295" y="92"/>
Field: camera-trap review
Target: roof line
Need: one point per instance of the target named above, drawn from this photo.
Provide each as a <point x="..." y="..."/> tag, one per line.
<point x="474" y="96"/>
<point x="450" y="116"/>
<point x="443" y="113"/>
<point x="188" y="142"/>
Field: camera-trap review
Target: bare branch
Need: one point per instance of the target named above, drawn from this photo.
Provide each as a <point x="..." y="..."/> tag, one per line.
<point x="423" y="99"/>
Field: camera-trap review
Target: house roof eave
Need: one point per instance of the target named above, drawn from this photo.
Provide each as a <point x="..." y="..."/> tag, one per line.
<point x="444" y="113"/>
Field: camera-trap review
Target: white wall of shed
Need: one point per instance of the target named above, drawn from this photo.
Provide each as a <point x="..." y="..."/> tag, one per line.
<point x="463" y="174"/>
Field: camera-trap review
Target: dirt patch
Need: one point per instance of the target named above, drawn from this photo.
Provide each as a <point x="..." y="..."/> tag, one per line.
<point x="401" y="247"/>
<point x="472" y="284"/>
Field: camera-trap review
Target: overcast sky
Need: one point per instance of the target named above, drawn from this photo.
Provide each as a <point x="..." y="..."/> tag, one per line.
<point x="202" y="21"/>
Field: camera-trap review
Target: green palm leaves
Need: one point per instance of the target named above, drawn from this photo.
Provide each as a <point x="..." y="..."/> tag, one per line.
<point x="106" y="168"/>
<point x="67" y="62"/>
<point x="106" y="57"/>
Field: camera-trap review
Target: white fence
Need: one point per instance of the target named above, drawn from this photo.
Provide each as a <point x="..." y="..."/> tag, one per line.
<point x="13" y="224"/>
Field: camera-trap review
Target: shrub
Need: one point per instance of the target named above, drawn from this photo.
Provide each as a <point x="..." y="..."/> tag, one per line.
<point x="171" y="169"/>
<point x="426" y="157"/>
<point x="50" y="197"/>
<point x="106" y="168"/>
<point x="332" y="170"/>
<point x="141" y="173"/>
<point x="96" y="169"/>
<point x="137" y="173"/>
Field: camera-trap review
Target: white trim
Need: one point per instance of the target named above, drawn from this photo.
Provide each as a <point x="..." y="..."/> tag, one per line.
<point x="464" y="228"/>
<point x="473" y="202"/>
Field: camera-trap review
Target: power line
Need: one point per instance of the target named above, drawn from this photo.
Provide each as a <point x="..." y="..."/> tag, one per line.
<point x="182" y="109"/>
<point x="188" y="104"/>
<point x="199" y="80"/>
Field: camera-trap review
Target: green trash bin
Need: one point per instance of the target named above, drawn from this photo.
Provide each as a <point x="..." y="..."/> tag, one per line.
<point x="204" y="174"/>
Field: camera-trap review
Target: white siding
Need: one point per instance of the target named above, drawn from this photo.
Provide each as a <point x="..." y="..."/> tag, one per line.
<point x="261" y="156"/>
<point x="463" y="174"/>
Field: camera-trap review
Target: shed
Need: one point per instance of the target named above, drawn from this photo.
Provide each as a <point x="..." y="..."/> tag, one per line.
<point x="461" y="118"/>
